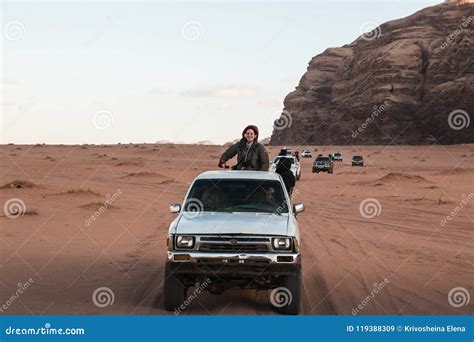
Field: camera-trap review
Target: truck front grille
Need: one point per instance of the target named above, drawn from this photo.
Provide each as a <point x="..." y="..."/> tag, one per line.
<point x="239" y="248"/>
<point x="216" y="244"/>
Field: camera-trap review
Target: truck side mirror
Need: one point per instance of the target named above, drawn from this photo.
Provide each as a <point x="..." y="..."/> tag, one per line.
<point x="175" y="208"/>
<point x="298" y="208"/>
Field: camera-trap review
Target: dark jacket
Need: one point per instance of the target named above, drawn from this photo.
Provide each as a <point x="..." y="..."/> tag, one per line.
<point x="255" y="159"/>
<point x="284" y="170"/>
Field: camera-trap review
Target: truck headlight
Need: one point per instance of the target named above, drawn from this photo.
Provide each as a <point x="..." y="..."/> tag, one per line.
<point x="281" y="243"/>
<point x="185" y="241"/>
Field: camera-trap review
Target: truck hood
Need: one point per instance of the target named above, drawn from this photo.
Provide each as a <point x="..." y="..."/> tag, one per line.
<point x="233" y="223"/>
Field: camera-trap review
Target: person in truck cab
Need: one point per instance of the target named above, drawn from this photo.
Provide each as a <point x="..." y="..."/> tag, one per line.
<point x="212" y="199"/>
<point x="269" y="194"/>
<point x="251" y="155"/>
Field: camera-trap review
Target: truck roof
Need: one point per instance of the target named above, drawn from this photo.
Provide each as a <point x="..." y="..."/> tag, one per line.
<point x="239" y="175"/>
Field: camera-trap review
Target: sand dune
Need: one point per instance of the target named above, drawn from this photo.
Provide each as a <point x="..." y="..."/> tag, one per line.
<point x="75" y="244"/>
<point x="19" y="184"/>
<point x="77" y="192"/>
<point x="130" y="163"/>
<point x="394" y="178"/>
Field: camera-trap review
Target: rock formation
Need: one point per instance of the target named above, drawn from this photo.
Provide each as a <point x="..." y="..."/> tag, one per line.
<point x="409" y="81"/>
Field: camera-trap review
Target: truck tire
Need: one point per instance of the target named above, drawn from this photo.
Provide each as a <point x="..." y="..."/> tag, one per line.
<point x="175" y="290"/>
<point x="293" y="284"/>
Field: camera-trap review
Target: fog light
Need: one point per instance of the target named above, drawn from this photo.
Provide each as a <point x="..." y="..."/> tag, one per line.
<point x="284" y="258"/>
<point x="181" y="257"/>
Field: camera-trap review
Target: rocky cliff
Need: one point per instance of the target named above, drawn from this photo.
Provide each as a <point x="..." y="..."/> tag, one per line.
<point x="409" y="81"/>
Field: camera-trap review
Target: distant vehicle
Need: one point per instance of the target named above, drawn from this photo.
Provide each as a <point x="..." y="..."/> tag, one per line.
<point x="295" y="165"/>
<point x="357" y="161"/>
<point x="306" y="154"/>
<point x="323" y="164"/>
<point x="337" y="156"/>
<point x="288" y="149"/>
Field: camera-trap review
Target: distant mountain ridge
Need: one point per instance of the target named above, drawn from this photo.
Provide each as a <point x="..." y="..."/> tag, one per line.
<point x="179" y="142"/>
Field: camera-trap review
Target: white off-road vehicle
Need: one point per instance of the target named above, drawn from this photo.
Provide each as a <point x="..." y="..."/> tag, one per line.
<point x="235" y="229"/>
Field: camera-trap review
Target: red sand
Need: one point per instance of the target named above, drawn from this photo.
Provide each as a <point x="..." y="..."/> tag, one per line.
<point x="344" y="254"/>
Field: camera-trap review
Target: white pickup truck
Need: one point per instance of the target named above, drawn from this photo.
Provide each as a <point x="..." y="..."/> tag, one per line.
<point x="235" y="229"/>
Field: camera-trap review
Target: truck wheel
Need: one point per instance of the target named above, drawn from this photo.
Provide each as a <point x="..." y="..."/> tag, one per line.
<point x="175" y="290"/>
<point x="291" y="284"/>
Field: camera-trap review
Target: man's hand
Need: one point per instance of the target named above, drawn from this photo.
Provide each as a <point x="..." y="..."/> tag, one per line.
<point x="221" y="164"/>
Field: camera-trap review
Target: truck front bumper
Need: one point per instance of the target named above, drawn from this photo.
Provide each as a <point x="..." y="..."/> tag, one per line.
<point x="232" y="264"/>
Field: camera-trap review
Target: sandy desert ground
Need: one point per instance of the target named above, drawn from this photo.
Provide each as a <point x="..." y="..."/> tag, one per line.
<point x="410" y="246"/>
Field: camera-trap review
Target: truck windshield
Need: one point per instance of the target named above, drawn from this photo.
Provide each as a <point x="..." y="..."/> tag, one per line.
<point x="237" y="195"/>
